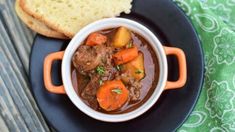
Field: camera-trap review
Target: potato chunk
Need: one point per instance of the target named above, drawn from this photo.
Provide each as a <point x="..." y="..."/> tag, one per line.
<point x="135" y="68"/>
<point x="122" y="37"/>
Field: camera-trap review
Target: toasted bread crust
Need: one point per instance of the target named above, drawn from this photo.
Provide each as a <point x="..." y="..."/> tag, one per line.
<point x="36" y="25"/>
<point x="62" y="17"/>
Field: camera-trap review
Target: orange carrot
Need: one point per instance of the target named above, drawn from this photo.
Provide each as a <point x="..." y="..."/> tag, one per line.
<point x="112" y="95"/>
<point x="96" y="39"/>
<point x="125" y="55"/>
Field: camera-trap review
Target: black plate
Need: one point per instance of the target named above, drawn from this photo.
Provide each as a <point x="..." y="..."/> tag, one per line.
<point x="169" y="23"/>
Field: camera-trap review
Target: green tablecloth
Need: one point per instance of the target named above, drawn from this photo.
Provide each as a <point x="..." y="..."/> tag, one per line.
<point x="214" y="21"/>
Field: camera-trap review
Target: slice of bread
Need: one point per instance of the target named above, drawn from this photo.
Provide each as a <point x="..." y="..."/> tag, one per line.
<point x="36" y="25"/>
<point x="69" y="16"/>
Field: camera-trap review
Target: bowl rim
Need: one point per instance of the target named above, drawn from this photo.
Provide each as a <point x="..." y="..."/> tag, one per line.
<point x="101" y="25"/>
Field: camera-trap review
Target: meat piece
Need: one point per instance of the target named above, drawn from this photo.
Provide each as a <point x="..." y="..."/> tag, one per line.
<point x="106" y="53"/>
<point x="91" y="87"/>
<point x="134" y="91"/>
<point x="107" y="65"/>
<point x="89" y="92"/>
<point x="133" y="85"/>
<point x="88" y="57"/>
<point x="93" y="103"/>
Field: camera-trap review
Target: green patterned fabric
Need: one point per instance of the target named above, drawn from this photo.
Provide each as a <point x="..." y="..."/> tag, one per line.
<point x="214" y="21"/>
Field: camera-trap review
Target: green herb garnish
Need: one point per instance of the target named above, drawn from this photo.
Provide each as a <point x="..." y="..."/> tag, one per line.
<point x="129" y="45"/>
<point x="119" y="67"/>
<point x="117" y="91"/>
<point x="100" y="70"/>
<point x="138" y="71"/>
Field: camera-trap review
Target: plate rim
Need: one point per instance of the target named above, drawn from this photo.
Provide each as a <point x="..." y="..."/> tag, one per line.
<point x="203" y="64"/>
<point x="51" y="126"/>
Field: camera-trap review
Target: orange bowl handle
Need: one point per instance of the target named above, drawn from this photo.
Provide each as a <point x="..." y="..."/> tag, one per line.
<point x="47" y="73"/>
<point x="182" y="68"/>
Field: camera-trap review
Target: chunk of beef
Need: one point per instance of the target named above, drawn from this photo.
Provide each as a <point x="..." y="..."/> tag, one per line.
<point x="91" y="87"/>
<point x="133" y="85"/>
<point x="88" y="57"/>
<point x="134" y="90"/>
<point x="89" y="92"/>
<point x="107" y="65"/>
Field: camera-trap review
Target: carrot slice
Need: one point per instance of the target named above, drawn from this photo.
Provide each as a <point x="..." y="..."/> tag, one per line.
<point x="112" y="95"/>
<point x="125" y="55"/>
<point x="96" y="39"/>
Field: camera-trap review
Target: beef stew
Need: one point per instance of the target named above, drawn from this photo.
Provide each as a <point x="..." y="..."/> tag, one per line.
<point x="115" y="70"/>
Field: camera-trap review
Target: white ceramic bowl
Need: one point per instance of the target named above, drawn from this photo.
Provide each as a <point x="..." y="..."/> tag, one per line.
<point x="106" y="24"/>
